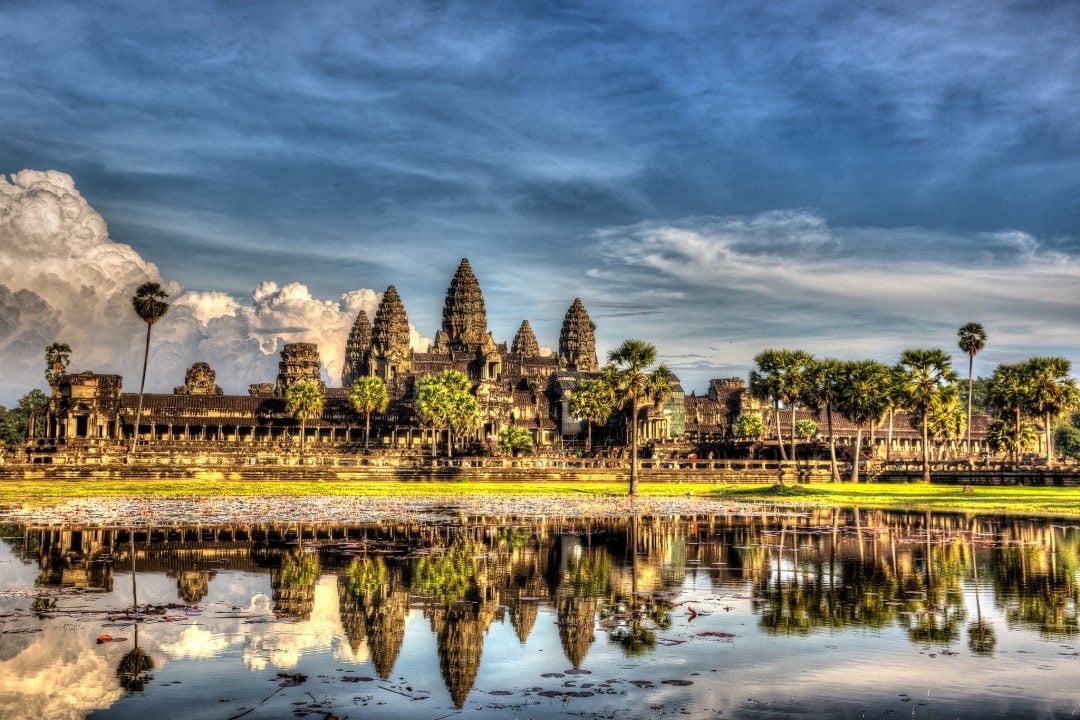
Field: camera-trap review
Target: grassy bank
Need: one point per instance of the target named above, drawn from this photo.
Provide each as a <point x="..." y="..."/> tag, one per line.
<point x="916" y="496"/>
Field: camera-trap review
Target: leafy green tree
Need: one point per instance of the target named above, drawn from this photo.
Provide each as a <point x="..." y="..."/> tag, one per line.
<point x="946" y="419"/>
<point x="57" y="359"/>
<point x="863" y="396"/>
<point x="1005" y="435"/>
<point x="1053" y="393"/>
<point x="515" y="439"/>
<point x="635" y="385"/>
<point x="150" y="306"/>
<point x="17" y="425"/>
<point x="783" y="376"/>
<point x="1009" y="395"/>
<point x="805" y="429"/>
<point x="369" y="395"/>
<point x="465" y="418"/>
<point x="824" y="378"/>
<point x="1067" y="442"/>
<point x="304" y="401"/>
<point x="924" y="376"/>
<point x="972" y="339"/>
<point x="592" y="400"/>
<point x="445" y="401"/>
<point x="748" y="426"/>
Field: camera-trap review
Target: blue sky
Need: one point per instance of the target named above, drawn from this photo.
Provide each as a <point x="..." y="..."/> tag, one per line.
<point x="717" y="178"/>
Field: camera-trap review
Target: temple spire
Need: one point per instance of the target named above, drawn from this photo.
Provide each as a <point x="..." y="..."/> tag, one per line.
<point x="577" y="341"/>
<point x="525" y="341"/>
<point x="357" y="350"/>
<point x="464" y="315"/>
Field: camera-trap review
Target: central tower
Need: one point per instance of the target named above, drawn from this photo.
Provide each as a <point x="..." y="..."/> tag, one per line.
<point x="464" y="315"/>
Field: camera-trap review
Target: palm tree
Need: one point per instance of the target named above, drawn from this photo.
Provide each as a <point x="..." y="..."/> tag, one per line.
<point x="304" y="401"/>
<point x="946" y="421"/>
<point x="150" y="306"/>
<point x="369" y="395"/>
<point x="592" y="400"/>
<point x="782" y="376"/>
<point x="634" y="384"/>
<point x="1008" y="394"/>
<point x="863" y="397"/>
<point x="924" y="376"/>
<point x="972" y="340"/>
<point x="445" y="400"/>
<point x="57" y="358"/>
<point x="1053" y="392"/>
<point x="823" y="390"/>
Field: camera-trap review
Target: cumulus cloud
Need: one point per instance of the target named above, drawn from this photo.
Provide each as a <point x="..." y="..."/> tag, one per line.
<point x="63" y="279"/>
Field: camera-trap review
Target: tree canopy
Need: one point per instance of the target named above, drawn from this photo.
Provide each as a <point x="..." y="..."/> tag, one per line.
<point x="637" y="386"/>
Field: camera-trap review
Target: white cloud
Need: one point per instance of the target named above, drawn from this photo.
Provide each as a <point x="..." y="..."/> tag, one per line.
<point x="788" y="279"/>
<point x="63" y="279"/>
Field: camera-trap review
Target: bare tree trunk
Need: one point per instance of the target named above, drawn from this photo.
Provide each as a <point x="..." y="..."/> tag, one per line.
<point x="925" y="448"/>
<point x="971" y="365"/>
<point x="633" y="449"/>
<point x="1049" y="443"/>
<point x="779" y="436"/>
<point x="832" y="445"/>
<point x="858" y="455"/>
<point x="142" y="385"/>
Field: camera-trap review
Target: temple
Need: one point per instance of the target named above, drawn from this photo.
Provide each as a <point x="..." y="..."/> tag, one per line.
<point x="521" y="385"/>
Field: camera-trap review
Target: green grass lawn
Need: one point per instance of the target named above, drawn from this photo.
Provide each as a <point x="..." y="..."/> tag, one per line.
<point x="915" y="496"/>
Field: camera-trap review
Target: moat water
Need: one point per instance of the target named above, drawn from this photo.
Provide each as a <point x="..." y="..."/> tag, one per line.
<point x="693" y="611"/>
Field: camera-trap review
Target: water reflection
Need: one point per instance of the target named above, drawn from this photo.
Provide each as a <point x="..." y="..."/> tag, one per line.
<point x="665" y="596"/>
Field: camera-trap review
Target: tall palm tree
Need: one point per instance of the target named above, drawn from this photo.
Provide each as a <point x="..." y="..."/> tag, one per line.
<point x="369" y="395"/>
<point x="1008" y="394"/>
<point x="150" y="306"/>
<point x="972" y="340"/>
<point x="592" y="400"/>
<point x="445" y="400"/>
<point x="924" y="376"/>
<point x="1053" y="392"/>
<point x="783" y="376"/>
<point x="635" y="385"/>
<point x="304" y="401"/>
<point x="863" y="397"/>
<point x="57" y="359"/>
<point x="823" y="390"/>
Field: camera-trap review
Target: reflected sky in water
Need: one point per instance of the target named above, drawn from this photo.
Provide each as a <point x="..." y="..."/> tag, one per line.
<point x="757" y="615"/>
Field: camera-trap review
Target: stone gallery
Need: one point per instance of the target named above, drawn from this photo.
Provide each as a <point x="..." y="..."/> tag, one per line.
<point x="517" y="385"/>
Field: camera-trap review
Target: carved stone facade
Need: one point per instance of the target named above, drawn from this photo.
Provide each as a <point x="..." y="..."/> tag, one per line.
<point x="577" y="341"/>
<point x="299" y="362"/>
<point x="525" y="343"/>
<point x="86" y="405"/>
<point x="464" y="316"/>
<point x="520" y="385"/>
<point x="200" y="379"/>
<point x="357" y="349"/>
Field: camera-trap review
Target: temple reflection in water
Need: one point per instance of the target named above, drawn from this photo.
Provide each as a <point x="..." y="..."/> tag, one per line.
<point x="801" y="573"/>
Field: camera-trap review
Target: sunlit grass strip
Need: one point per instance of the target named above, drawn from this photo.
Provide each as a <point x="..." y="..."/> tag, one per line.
<point x="915" y="496"/>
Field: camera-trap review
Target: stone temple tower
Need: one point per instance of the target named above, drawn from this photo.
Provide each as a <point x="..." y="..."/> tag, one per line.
<point x="464" y="316"/>
<point x="525" y="343"/>
<point x="299" y="361"/>
<point x="577" y="341"/>
<point x="391" y="357"/>
<point x="357" y="351"/>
